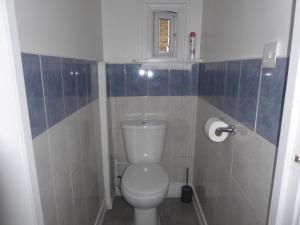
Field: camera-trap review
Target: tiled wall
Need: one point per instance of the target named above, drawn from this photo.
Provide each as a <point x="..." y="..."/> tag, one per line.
<point x="57" y="87"/>
<point x="64" y="116"/>
<point x="242" y="89"/>
<point x="125" y="80"/>
<point x="179" y="111"/>
<point x="168" y="94"/>
<point x="249" y="94"/>
<point x="233" y="179"/>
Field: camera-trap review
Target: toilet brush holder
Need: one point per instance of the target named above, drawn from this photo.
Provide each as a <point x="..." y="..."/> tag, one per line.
<point x="186" y="190"/>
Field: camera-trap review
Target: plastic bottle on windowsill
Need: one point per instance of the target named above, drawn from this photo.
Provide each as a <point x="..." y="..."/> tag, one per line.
<point x="192" y="43"/>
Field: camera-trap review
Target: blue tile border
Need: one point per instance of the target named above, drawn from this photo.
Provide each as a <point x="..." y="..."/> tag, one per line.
<point x="53" y="89"/>
<point x="271" y="98"/>
<point x="248" y="92"/>
<point x="232" y="88"/>
<point x="135" y="83"/>
<point x="239" y="88"/>
<point x="56" y="87"/>
<point x="34" y="92"/>
<point x="158" y="84"/>
<point x="180" y="83"/>
<point x="126" y="80"/>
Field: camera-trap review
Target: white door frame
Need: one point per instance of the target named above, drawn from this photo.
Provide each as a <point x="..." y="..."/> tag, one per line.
<point x="104" y="135"/>
<point x="285" y="195"/>
<point x="20" y="199"/>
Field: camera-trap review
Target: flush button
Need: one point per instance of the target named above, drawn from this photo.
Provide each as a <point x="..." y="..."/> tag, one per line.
<point x="270" y="55"/>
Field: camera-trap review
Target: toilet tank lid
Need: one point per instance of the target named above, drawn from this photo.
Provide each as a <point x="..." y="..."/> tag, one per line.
<point x="144" y="124"/>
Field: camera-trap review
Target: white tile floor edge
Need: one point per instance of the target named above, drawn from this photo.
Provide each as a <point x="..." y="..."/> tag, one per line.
<point x="101" y="213"/>
<point x="198" y="209"/>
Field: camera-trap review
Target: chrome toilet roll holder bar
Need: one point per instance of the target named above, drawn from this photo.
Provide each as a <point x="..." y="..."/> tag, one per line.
<point x="230" y="129"/>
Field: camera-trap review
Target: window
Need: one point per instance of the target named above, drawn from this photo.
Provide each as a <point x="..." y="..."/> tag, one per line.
<point x="164" y="39"/>
<point x="164" y="34"/>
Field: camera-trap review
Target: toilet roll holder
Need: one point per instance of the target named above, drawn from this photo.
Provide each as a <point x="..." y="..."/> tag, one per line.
<point x="230" y="129"/>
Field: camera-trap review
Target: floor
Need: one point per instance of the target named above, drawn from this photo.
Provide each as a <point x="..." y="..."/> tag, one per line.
<point x="172" y="212"/>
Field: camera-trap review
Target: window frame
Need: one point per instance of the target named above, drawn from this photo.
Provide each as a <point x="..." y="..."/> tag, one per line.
<point x="172" y="17"/>
<point x="148" y="30"/>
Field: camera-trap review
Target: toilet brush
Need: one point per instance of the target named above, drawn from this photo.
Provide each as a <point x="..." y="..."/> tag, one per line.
<point x="186" y="190"/>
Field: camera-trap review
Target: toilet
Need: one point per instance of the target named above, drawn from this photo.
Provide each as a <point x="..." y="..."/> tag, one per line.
<point x="145" y="182"/>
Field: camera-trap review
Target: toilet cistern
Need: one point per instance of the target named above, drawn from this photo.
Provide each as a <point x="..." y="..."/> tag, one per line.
<point x="144" y="183"/>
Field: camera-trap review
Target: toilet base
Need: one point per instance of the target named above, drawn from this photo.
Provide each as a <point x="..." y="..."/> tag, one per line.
<point x="146" y="217"/>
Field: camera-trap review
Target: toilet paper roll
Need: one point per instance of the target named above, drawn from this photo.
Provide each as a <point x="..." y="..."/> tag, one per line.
<point x="210" y="129"/>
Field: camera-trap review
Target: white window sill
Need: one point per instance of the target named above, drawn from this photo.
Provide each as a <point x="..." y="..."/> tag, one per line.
<point x="167" y="63"/>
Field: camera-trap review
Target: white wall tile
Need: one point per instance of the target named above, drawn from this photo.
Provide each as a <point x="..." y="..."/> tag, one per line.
<point x="42" y="160"/>
<point x="236" y="173"/>
<point x="180" y="112"/>
<point x="69" y="166"/>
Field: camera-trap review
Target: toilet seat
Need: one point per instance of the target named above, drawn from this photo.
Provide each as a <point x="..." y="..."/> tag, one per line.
<point x="142" y="180"/>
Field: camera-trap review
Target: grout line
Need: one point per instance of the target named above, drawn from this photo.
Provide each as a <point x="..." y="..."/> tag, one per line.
<point x="63" y="90"/>
<point x="225" y="84"/>
<point x="258" y="98"/>
<point x="67" y="145"/>
<point x="76" y="84"/>
<point x="125" y="80"/>
<point x="238" y="96"/>
<point x="49" y="144"/>
<point x="86" y="83"/>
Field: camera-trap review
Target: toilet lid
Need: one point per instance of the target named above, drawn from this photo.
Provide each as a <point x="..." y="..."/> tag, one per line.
<point x="145" y="179"/>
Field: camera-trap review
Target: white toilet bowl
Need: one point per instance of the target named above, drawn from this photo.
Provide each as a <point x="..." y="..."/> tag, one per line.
<point x="145" y="186"/>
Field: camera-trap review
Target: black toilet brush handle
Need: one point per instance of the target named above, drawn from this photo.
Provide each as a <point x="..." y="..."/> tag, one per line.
<point x="187" y="176"/>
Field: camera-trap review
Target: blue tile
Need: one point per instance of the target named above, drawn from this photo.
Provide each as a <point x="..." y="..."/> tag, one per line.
<point x="53" y="89"/>
<point x="81" y="81"/>
<point x="69" y="85"/>
<point x="248" y="92"/>
<point x="116" y="79"/>
<point x="271" y="100"/>
<point x="88" y="81"/>
<point x="200" y="79"/>
<point x="207" y="90"/>
<point x="94" y="92"/>
<point x="158" y="84"/>
<point x="108" y="72"/>
<point x="220" y="78"/>
<point x="180" y="82"/>
<point x="34" y="92"/>
<point x="136" y="85"/>
<point x="232" y="88"/>
<point x="195" y="79"/>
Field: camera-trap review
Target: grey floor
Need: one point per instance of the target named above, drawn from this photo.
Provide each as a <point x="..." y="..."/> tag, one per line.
<point x="172" y="212"/>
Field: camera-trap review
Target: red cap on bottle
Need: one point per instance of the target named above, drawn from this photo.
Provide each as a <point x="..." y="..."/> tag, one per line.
<point x="193" y="34"/>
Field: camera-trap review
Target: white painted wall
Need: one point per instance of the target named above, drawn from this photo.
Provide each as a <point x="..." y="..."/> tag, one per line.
<point x="70" y="28"/>
<point x="235" y="29"/>
<point x="123" y="27"/>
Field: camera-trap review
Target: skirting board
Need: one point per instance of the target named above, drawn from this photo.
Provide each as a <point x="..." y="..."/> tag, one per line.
<point x="198" y="208"/>
<point x="101" y="213"/>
